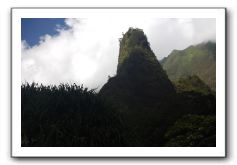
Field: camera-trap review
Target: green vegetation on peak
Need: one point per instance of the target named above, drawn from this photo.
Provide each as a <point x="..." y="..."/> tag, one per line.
<point x="197" y="60"/>
<point x="134" y="39"/>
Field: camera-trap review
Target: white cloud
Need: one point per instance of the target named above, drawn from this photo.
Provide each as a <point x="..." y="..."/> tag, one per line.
<point x="179" y="34"/>
<point x="87" y="52"/>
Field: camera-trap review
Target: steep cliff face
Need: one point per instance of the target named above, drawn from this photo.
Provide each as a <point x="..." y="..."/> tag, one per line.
<point x="140" y="78"/>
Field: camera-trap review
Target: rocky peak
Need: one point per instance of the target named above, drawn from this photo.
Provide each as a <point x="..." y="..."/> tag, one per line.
<point x="133" y="40"/>
<point x="140" y="77"/>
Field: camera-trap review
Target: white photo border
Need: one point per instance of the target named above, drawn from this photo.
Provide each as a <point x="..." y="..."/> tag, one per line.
<point x="219" y="151"/>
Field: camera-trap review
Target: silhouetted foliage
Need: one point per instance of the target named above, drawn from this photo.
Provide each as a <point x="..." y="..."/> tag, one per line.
<point x="68" y="115"/>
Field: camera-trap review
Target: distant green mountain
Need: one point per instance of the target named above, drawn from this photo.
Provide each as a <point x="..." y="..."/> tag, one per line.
<point x="197" y="60"/>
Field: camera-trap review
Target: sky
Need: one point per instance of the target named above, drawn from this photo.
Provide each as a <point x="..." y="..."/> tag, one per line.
<point x="32" y="28"/>
<point x="85" y="51"/>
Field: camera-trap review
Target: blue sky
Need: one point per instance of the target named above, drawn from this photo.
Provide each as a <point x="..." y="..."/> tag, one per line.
<point x="33" y="28"/>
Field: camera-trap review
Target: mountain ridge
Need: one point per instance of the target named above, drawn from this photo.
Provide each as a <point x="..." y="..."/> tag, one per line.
<point x="197" y="60"/>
